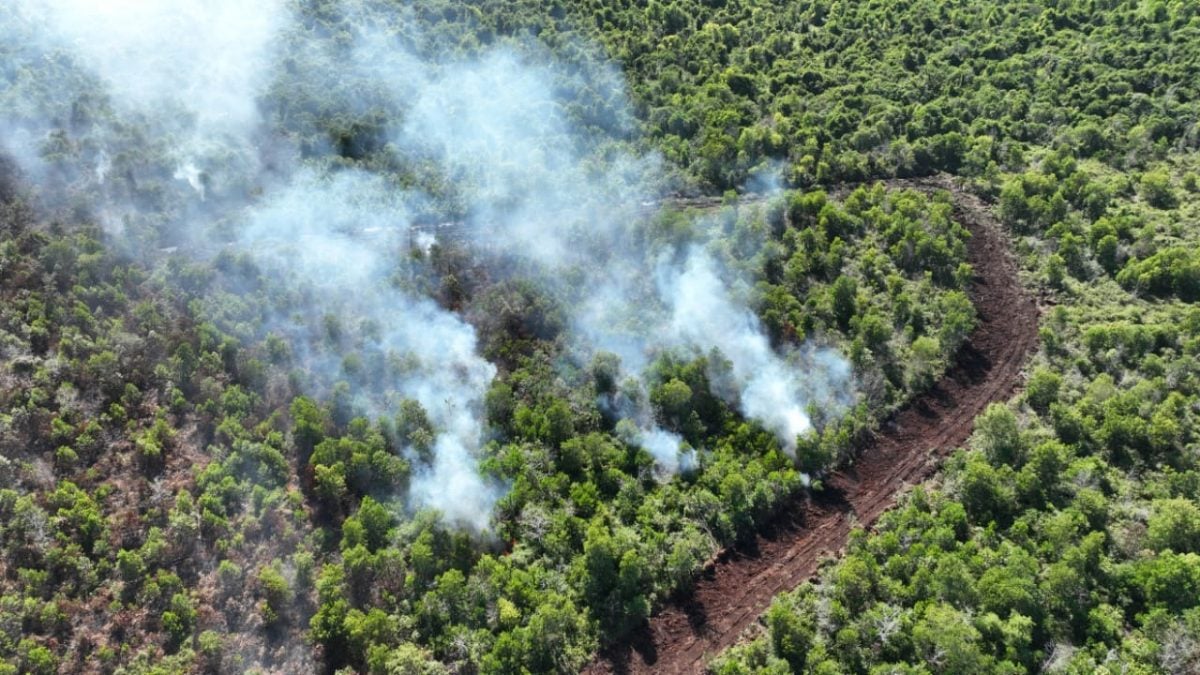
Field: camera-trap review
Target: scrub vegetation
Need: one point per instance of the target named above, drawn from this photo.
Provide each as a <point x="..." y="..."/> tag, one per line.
<point x="449" y="337"/>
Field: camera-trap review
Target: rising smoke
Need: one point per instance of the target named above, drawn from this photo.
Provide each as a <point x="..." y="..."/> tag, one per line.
<point x="337" y="235"/>
<point x="763" y="384"/>
<point x="202" y="132"/>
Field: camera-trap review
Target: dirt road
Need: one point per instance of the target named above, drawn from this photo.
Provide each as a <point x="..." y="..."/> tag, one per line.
<point x="738" y="586"/>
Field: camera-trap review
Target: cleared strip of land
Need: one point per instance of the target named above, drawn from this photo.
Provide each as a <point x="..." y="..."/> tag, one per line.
<point x="737" y="587"/>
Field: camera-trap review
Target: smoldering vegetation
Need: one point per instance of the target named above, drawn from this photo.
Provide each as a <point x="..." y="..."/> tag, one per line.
<point x="323" y="165"/>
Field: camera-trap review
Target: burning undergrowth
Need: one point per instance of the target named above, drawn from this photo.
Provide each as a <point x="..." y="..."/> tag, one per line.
<point x="312" y="157"/>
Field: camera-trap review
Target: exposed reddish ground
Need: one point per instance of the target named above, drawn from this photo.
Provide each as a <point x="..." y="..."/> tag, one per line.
<point x="737" y="587"/>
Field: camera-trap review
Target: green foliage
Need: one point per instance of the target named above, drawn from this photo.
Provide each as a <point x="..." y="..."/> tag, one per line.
<point x="1062" y="524"/>
<point x="309" y="425"/>
<point x="1170" y="271"/>
<point x="1174" y="524"/>
<point x="1155" y="188"/>
<point x="1043" y="389"/>
<point x="926" y="357"/>
<point x="793" y="631"/>
<point x="274" y="592"/>
<point x="843" y="296"/>
<point x="369" y="526"/>
<point x="1072" y="521"/>
<point x="999" y="437"/>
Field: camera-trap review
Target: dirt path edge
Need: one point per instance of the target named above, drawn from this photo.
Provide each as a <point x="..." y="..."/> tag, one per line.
<point x="737" y="587"/>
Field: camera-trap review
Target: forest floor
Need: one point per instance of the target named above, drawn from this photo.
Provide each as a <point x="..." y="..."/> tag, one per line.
<point x="737" y="587"/>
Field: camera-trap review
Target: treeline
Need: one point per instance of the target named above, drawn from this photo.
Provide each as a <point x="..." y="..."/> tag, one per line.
<point x="169" y="500"/>
<point x="169" y="495"/>
<point x="596" y="536"/>
<point x="841" y="91"/>
<point x="1064" y="537"/>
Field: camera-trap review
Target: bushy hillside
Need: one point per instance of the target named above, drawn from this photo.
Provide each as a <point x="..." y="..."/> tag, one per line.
<point x="1064" y="537"/>
<point x="458" y="337"/>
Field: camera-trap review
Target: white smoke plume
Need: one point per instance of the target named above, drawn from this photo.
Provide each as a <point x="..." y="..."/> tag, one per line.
<point x="498" y="126"/>
<point x="667" y="449"/>
<point x="763" y="384"/>
<point x="703" y="315"/>
<point x="207" y="58"/>
<point x="188" y="74"/>
<point x="324" y="232"/>
<point x="534" y="156"/>
<point x="529" y="188"/>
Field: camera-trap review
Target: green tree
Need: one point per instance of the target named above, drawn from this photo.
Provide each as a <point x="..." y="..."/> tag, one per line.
<point x="946" y="640"/>
<point x="1174" y="524"/>
<point x="673" y="399"/>
<point x="1155" y="188"/>
<point x="793" y="631"/>
<point x="997" y="434"/>
<point x="844" y="298"/>
<point x="1042" y="389"/>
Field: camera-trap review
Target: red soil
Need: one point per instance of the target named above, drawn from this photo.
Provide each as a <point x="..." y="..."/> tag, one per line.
<point x="738" y="586"/>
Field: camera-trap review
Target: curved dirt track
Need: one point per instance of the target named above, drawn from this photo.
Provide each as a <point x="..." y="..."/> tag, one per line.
<point x="737" y="587"/>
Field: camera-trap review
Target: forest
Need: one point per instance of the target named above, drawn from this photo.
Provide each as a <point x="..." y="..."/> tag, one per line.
<point x="726" y="336"/>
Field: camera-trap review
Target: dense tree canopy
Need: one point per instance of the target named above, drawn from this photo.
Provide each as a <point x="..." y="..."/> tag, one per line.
<point x="176" y="494"/>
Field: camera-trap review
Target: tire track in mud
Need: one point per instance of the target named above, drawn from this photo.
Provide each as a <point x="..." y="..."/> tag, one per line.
<point x="736" y="588"/>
